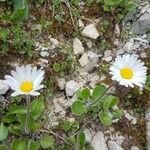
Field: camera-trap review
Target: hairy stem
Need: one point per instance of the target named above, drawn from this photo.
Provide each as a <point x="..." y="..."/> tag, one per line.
<point x="27" y="114"/>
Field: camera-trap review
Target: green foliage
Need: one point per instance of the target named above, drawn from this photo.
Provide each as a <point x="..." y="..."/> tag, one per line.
<point x="81" y="141"/>
<point x="3" y="132"/>
<point x="98" y="103"/>
<point x="98" y="91"/>
<point x="111" y="5"/>
<point x="37" y="108"/>
<point x="78" y="108"/>
<point x="24" y="144"/>
<point x="21" y="11"/>
<point x="15" y="119"/>
<point x="16" y="38"/>
<point x="66" y="125"/>
<point x="47" y="142"/>
<point x="18" y="145"/>
<point x="105" y="118"/>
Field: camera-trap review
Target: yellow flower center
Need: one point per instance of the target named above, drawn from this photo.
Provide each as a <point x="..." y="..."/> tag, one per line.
<point x="126" y="73"/>
<point x="26" y="87"/>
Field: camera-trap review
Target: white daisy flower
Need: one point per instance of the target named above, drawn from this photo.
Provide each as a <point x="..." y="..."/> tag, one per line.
<point x="129" y="71"/>
<point x="25" y="80"/>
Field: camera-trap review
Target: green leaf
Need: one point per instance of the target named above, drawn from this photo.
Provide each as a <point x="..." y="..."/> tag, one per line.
<point x="3" y="132"/>
<point x="81" y="140"/>
<point x="18" y="144"/>
<point x="78" y="108"/>
<point x="63" y="65"/>
<point x="9" y="118"/>
<point x="109" y="102"/>
<point x="37" y="108"/>
<point x="19" y="15"/>
<point x="105" y="118"/>
<point x="112" y="2"/>
<point x="33" y="126"/>
<point x="47" y="141"/>
<point x="66" y="125"/>
<point x="85" y="94"/>
<point x="33" y="145"/>
<point x="17" y="110"/>
<point x="56" y="67"/>
<point x="117" y="113"/>
<point x="19" y="3"/>
<point x="98" y="91"/>
<point x="3" y="147"/>
<point x="15" y="129"/>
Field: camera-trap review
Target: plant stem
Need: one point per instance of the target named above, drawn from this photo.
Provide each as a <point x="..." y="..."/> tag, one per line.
<point x="27" y="114"/>
<point x="100" y="97"/>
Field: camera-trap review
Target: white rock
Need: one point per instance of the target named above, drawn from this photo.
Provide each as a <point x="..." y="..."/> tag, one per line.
<point x="148" y="10"/>
<point x="80" y="23"/>
<point x="3" y="87"/>
<point x="116" y="42"/>
<point x="131" y="118"/>
<point x="54" y="42"/>
<point x="71" y="87"/>
<point x="113" y="146"/>
<point x="90" y="31"/>
<point x="77" y="47"/>
<point x="107" y="56"/>
<point x="92" y="61"/>
<point x="128" y="46"/>
<point x="99" y="142"/>
<point x="88" y="135"/>
<point x="143" y="55"/>
<point x="83" y="60"/>
<point x="117" y="30"/>
<point x="89" y="43"/>
<point x="44" y="54"/>
<point x="61" y="83"/>
<point x="144" y="9"/>
<point x="134" y="148"/>
<point x="44" y="48"/>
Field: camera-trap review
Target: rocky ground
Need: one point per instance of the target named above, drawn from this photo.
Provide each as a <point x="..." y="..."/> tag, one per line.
<point x="89" y="67"/>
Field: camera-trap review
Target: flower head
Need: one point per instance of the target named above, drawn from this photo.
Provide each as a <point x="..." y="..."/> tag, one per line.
<point x="25" y="80"/>
<point x="128" y="70"/>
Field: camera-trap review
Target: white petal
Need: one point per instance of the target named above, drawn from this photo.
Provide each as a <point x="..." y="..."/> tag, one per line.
<point x="16" y="93"/>
<point x="34" y="93"/>
<point x="39" y="87"/>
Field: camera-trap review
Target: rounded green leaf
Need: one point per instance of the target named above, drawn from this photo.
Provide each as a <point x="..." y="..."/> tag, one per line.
<point x="56" y="67"/>
<point x="85" y="94"/>
<point x="98" y="91"/>
<point x="78" y="108"/>
<point x="105" y="118"/>
<point x="18" y="144"/>
<point x="33" y="145"/>
<point x="37" y="108"/>
<point x="47" y="141"/>
<point x="3" y="132"/>
<point x="117" y="113"/>
<point x="109" y="102"/>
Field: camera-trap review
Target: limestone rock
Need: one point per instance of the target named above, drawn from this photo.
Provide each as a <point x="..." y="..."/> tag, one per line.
<point x="142" y="25"/>
<point x="77" y="47"/>
<point x="3" y="87"/>
<point x="83" y="60"/>
<point x="90" y="31"/>
<point x="71" y="87"/>
<point x="114" y="146"/>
